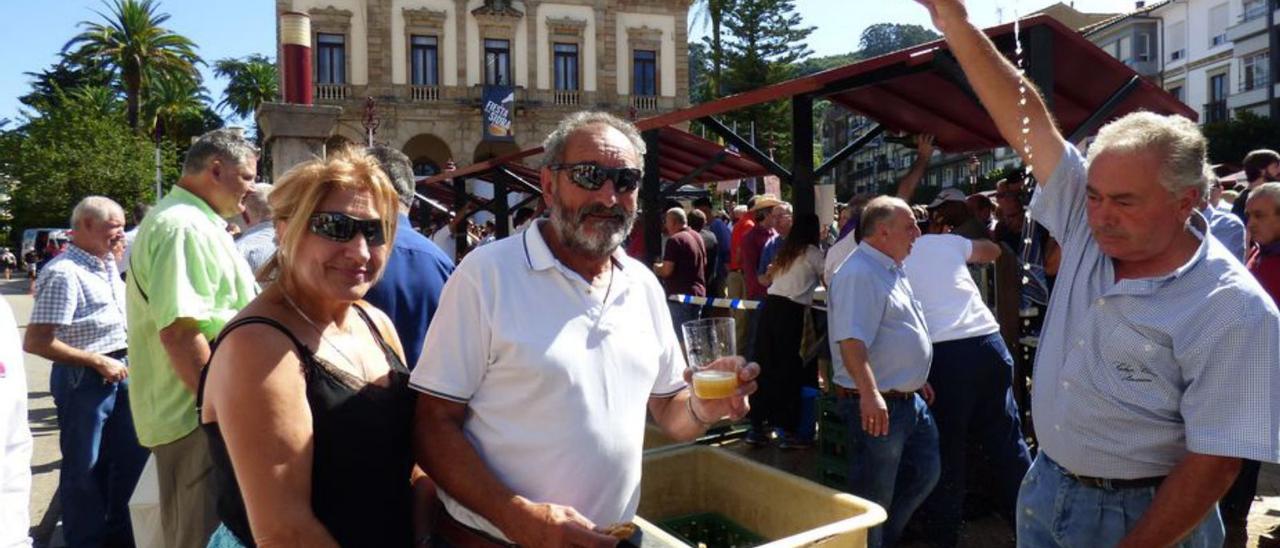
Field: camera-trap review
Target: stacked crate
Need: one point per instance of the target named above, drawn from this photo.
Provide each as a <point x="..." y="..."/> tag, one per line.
<point x="833" y="445"/>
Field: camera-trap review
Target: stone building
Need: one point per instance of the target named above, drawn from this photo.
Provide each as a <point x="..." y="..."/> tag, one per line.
<point x="427" y="64"/>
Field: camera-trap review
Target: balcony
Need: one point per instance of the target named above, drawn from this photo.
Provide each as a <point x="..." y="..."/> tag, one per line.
<point x="644" y="102"/>
<point x="566" y="97"/>
<point x="332" y="92"/>
<point x="1252" y="91"/>
<point x="1214" y="112"/>
<point x="1254" y="22"/>
<point x="424" y="94"/>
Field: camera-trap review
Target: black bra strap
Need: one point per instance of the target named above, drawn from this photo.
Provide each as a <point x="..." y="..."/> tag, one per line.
<point x="304" y="353"/>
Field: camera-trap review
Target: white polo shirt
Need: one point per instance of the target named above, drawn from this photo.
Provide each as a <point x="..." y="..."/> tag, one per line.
<point x="15" y="436"/>
<point x="939" y="274"/>
<point x="556" y="374"/>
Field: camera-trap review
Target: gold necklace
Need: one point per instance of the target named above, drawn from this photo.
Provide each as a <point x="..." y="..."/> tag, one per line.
<point x="364" y="375"/>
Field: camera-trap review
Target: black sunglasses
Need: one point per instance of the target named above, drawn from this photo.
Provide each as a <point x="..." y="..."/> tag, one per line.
<point x="591" y="176"/>
<point x="341" y="227"/>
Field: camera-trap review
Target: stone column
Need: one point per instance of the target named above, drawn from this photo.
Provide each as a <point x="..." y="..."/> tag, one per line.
<point x="295" y="133"/>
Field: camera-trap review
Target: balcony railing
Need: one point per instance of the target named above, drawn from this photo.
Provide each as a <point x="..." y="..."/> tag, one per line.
<point x="644" y="102"/>
<point x="1215" y="112"/>
<point x="424" y="94"/>
<point x="567" y="97"/>
<point x="332" y="92"/>
<point x="1255" y="11"/>
<point x="1256" y="82"/>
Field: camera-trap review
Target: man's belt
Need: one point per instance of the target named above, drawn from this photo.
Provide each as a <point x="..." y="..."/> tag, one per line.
<point x="891" y="394"/>
<point x="461" y="536"/>
<point x="118" y="354"/>
<point x="1113" y="484"/>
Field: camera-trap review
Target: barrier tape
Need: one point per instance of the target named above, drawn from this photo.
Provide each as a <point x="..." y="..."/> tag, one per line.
<point x="739" y="304"/>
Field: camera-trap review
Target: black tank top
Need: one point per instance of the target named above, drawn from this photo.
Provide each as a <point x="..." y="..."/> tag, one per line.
<point x="361" y="459"/>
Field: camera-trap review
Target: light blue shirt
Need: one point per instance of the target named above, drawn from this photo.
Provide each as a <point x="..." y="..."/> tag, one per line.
<point x="258" y="244"/>
<point x="1227" y="228"/>
<point x="871" y="300"/>
<point x="1131" y="375"/>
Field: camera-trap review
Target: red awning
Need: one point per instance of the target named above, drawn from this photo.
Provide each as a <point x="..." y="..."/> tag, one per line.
<point x="681" y="154"/>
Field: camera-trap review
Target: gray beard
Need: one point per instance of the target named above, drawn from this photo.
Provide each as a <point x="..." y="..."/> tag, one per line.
<point x="568" y="228"/>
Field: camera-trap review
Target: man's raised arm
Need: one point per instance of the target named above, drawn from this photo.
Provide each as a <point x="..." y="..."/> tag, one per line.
<point x="996" y="81"/>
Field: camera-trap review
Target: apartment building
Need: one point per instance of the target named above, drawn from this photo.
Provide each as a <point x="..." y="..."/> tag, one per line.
<point x="428" y="63"/>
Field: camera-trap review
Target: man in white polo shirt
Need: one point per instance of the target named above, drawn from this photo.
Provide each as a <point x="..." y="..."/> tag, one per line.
<point x="546" y="352"/>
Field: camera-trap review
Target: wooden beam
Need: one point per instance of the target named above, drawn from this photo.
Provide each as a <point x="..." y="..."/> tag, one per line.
<point x="713" y="162"/>
<point x="1095" y="120"/>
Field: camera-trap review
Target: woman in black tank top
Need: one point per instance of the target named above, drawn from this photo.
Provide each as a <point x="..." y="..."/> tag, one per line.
<point x="306" y="399"/>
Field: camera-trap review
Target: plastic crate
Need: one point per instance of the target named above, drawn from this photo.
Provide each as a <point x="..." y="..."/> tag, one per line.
<point x="787" y="510"/>
<point x="711" y="529"/>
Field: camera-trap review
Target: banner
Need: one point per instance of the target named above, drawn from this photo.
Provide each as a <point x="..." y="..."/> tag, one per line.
<point x="498" y="108"/>
<point x="773" y="185"/>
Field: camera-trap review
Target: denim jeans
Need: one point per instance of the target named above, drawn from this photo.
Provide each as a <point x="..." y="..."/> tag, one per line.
<point x="1055" y="510"/>
<point x="896" y="471"/>
<point x="101" y="458"/>
<point x="974" y="409"/>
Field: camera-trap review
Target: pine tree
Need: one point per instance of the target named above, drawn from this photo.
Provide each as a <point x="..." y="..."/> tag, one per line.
<point x="765" y="39"/>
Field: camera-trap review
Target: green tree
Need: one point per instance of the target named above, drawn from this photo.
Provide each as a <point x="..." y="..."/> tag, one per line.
<point x="1231" y="140"/>
<point x="67" y="75"/>
<point x="250" y="82"/>
<point x="172" y="101"/>
<point x="712" y="12"/>
<point x="55" y="159"/>
<point x="882" y="38"/>
<point x="133" y="42"/>
<point x="764" y="39"/>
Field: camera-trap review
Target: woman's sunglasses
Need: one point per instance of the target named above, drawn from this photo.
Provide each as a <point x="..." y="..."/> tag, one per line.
<point x="341" y="227"/>
<point x="592" y="176"/>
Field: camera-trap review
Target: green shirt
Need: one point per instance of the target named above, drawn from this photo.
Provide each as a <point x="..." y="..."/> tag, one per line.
<point x="182" y="264"/>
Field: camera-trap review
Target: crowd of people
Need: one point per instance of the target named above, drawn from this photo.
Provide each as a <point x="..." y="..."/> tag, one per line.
<point x="330" y="377"/>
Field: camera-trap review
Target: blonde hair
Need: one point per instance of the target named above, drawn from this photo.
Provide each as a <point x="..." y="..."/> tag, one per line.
<point x="299" y="192"/>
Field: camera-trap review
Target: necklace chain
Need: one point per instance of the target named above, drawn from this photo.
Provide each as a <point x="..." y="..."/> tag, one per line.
<point x="364" y="376"/>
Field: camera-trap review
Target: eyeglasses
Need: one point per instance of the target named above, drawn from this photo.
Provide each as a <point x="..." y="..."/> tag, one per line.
<point x="591" y="176"/>
<point x="341" y="227"/>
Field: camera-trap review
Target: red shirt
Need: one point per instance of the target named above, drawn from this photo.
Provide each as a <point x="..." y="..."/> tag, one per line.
<point x="685" y="251"/>
<point x="740" y="229"/>
<point x="752" y="245"/>
<point x="1264" y="263"/>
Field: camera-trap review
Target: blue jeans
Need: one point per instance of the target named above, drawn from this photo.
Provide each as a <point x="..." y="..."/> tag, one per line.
<point x="101" y="458"/>
<point x="1055" y="510"/>
<point x="974" y="409"/>
<point x="896" y="471"/>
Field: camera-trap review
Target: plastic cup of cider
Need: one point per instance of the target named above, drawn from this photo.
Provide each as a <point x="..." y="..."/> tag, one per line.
<point x="706" y="341"/>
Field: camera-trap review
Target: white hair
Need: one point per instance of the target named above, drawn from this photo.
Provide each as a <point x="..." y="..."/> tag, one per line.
<point x="678" y="215"/>
<point x="96" y="207"/>
<point x="1270" y="191"/>
<point x="553" y="145"/>
<point x="1177" y="141"/>
<point x="878" y="211"/>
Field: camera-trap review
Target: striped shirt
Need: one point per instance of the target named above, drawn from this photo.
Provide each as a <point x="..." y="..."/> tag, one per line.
<point x="84" y="296"/>
<point x="1131" y="375"/>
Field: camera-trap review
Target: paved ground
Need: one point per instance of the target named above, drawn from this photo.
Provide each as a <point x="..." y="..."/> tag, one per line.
<point x="987" y="532"/>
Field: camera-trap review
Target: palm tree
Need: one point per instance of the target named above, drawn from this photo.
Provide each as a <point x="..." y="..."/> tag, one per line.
<point x="171" y="100"/>
<point x="712" y="11"/>
<point x="251" y="82"/>
<point x="132" y="41"/>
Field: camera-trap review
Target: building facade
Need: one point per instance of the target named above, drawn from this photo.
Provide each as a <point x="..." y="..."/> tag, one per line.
<point x="1251" y="50"/>
<point x="1197" y="55"/>
<point x="428" y="63"/>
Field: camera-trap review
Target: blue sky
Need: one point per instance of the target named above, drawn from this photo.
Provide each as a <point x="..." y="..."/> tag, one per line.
<point x="33" y="32"/>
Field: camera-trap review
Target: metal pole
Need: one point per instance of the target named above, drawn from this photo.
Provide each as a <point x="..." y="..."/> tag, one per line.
<point x="158" y="176"/>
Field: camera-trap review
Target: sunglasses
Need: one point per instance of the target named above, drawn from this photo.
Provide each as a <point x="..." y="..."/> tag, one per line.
<point x="591" y="176"/>
<point x="341" y="227"/>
